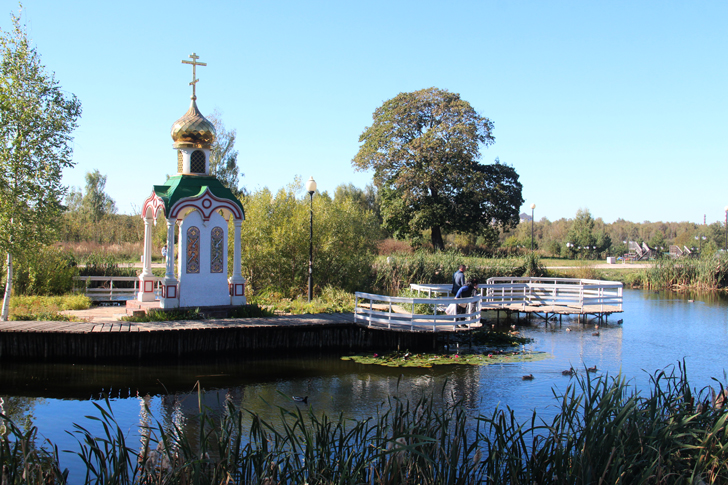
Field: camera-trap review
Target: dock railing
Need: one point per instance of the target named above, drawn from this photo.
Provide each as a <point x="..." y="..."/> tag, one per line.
<point x="507" y="292"/>
<point x="566" y="292"/>
<point x="423" y="314"/>
<point x="102" y="288"/>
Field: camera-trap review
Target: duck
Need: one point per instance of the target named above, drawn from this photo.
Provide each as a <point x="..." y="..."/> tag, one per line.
<point x="529" y="377"/>
<point x="595" y="334"/>
<point x="620" y="321"/>
<point x="591" y="369"/>
<point x="303" y="399"/>
<point x="568" y="330"/>
<point x="596" y="327"/>
<point x="569" y="372"/>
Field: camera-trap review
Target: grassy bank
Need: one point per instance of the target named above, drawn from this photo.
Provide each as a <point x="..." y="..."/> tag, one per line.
<point x="603" y="432"/>
<point x="46" y="307"/>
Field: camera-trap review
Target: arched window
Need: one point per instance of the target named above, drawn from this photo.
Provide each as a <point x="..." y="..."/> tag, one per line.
<point x="197" y="162"/>
<point x="193" y="250"/>
<point x="217" y="247"/>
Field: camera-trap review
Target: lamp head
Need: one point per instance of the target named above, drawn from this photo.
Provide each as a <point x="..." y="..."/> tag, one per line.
<point x="311" y="185"/>
<point x="533" y="206"/>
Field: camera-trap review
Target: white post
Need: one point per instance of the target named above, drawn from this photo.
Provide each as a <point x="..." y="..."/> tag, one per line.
<point x="170" y="288"/>
<point x="147" y="271"/>
<point x="146" y="279"/>
<point x="169" y="270"/>
<point x="236" y="282"/>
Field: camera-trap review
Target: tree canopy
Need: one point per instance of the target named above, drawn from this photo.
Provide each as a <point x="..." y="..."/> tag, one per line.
<point x="224" y="156"/>
<point x="36" y="121"/>
<point x="94" y="202"/>
<point x="424" y="148"/>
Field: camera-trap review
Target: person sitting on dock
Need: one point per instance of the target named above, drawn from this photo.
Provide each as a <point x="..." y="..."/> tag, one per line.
<point x="458" y="279"/>
<point x="467" y="291"/>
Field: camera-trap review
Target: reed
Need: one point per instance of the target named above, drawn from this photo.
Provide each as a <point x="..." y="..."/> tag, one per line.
<point x="397" y="271"/>
<point x="707" y="273"/>
<point x="604" y="431"/>
<point x="82" y="251"/>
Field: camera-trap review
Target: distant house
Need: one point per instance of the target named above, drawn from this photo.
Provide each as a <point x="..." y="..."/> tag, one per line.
<point x="525" y="217"/>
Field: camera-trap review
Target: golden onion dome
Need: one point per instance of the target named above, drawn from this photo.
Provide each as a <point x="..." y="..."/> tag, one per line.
<point x="193" y="130"/>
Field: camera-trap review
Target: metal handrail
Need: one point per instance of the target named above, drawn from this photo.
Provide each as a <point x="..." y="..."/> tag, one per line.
<point x="108" y="293"/>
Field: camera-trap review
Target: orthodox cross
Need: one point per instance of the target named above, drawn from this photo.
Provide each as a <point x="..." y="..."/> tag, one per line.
<point x="194" y="63"/>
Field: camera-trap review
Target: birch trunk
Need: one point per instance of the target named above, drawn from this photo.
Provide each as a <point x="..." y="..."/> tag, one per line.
<point x="8" y="289"/>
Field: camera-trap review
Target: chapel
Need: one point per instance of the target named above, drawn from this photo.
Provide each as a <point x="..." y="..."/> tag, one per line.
<point x="198" y="207"/>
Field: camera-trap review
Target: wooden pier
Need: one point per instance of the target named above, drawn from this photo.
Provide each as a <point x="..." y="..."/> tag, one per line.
<point x="541" y="297"/>
<point x="137" y="342"/>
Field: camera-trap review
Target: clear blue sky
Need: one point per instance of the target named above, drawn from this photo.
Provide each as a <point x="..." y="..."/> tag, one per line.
<point x="618" y="107"/>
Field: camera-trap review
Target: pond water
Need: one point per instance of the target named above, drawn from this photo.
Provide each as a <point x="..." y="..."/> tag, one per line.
<point x="660" y="329"/>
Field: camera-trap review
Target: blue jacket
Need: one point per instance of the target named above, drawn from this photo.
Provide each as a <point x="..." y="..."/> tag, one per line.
<point x="458" y="281"/>
<point x="465" y="291"/>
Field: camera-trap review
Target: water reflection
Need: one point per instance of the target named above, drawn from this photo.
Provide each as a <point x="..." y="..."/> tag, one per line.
<point x="659" y="330"/>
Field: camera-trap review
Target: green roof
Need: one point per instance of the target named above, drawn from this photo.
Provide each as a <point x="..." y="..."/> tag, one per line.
<point x="183" y="186"/>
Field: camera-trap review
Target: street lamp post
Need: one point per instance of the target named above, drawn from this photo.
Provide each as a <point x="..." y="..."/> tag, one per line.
<point x="533" y="206"/>
<point x="700" y="242"/>
<point x="310" y="188"/>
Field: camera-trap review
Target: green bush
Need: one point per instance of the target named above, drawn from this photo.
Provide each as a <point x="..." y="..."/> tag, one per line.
<point x="49" y="271"/>
<point x="275" y="243"/>
<point x="327" y="300"/>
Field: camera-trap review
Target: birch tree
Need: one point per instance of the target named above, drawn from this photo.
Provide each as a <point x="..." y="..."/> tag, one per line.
<point x="36" y="122"/>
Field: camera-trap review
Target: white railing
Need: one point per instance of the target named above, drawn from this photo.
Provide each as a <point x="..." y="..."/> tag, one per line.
<point x="107" y="290"/>
<point x="575" y="293"/>
<point x="566" y="292"/>
<point x="397" y="312"/>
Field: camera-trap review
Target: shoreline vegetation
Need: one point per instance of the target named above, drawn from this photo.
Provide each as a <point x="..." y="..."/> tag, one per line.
<point x="603" y="431"/>
<point x="43" y="286"/>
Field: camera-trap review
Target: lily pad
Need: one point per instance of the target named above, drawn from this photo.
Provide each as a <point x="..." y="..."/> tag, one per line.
<point x="400" y="359"/>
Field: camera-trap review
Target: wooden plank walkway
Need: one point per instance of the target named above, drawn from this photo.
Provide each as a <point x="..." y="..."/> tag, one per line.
<point x="120" y="326"/>
<point x="129" y="341"/>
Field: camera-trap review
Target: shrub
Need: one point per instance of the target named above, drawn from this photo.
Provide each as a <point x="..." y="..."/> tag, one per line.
<point x="46" y="307"/>
<point x="50" y="271"/>
<point x="275" y="243"/>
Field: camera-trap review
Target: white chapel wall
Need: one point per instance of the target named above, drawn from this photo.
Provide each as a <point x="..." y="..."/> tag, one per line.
<point x="203" y="288"/>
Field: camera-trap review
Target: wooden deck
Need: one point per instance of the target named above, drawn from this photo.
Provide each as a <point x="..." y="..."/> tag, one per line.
<point x="126" y="341"/>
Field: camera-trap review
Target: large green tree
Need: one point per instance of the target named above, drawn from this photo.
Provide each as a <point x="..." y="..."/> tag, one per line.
<point x="36" y="121"/>
<point x="424" y="148"/>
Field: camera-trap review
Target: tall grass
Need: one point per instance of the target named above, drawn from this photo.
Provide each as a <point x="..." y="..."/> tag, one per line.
<point x="707" y="273"/>
<point x="46" y="307"/>
<point x="604" y="431"/>
<point x="326" y="300"/>
<point x="84" y="250"/>
<point x="397" y="271"/>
